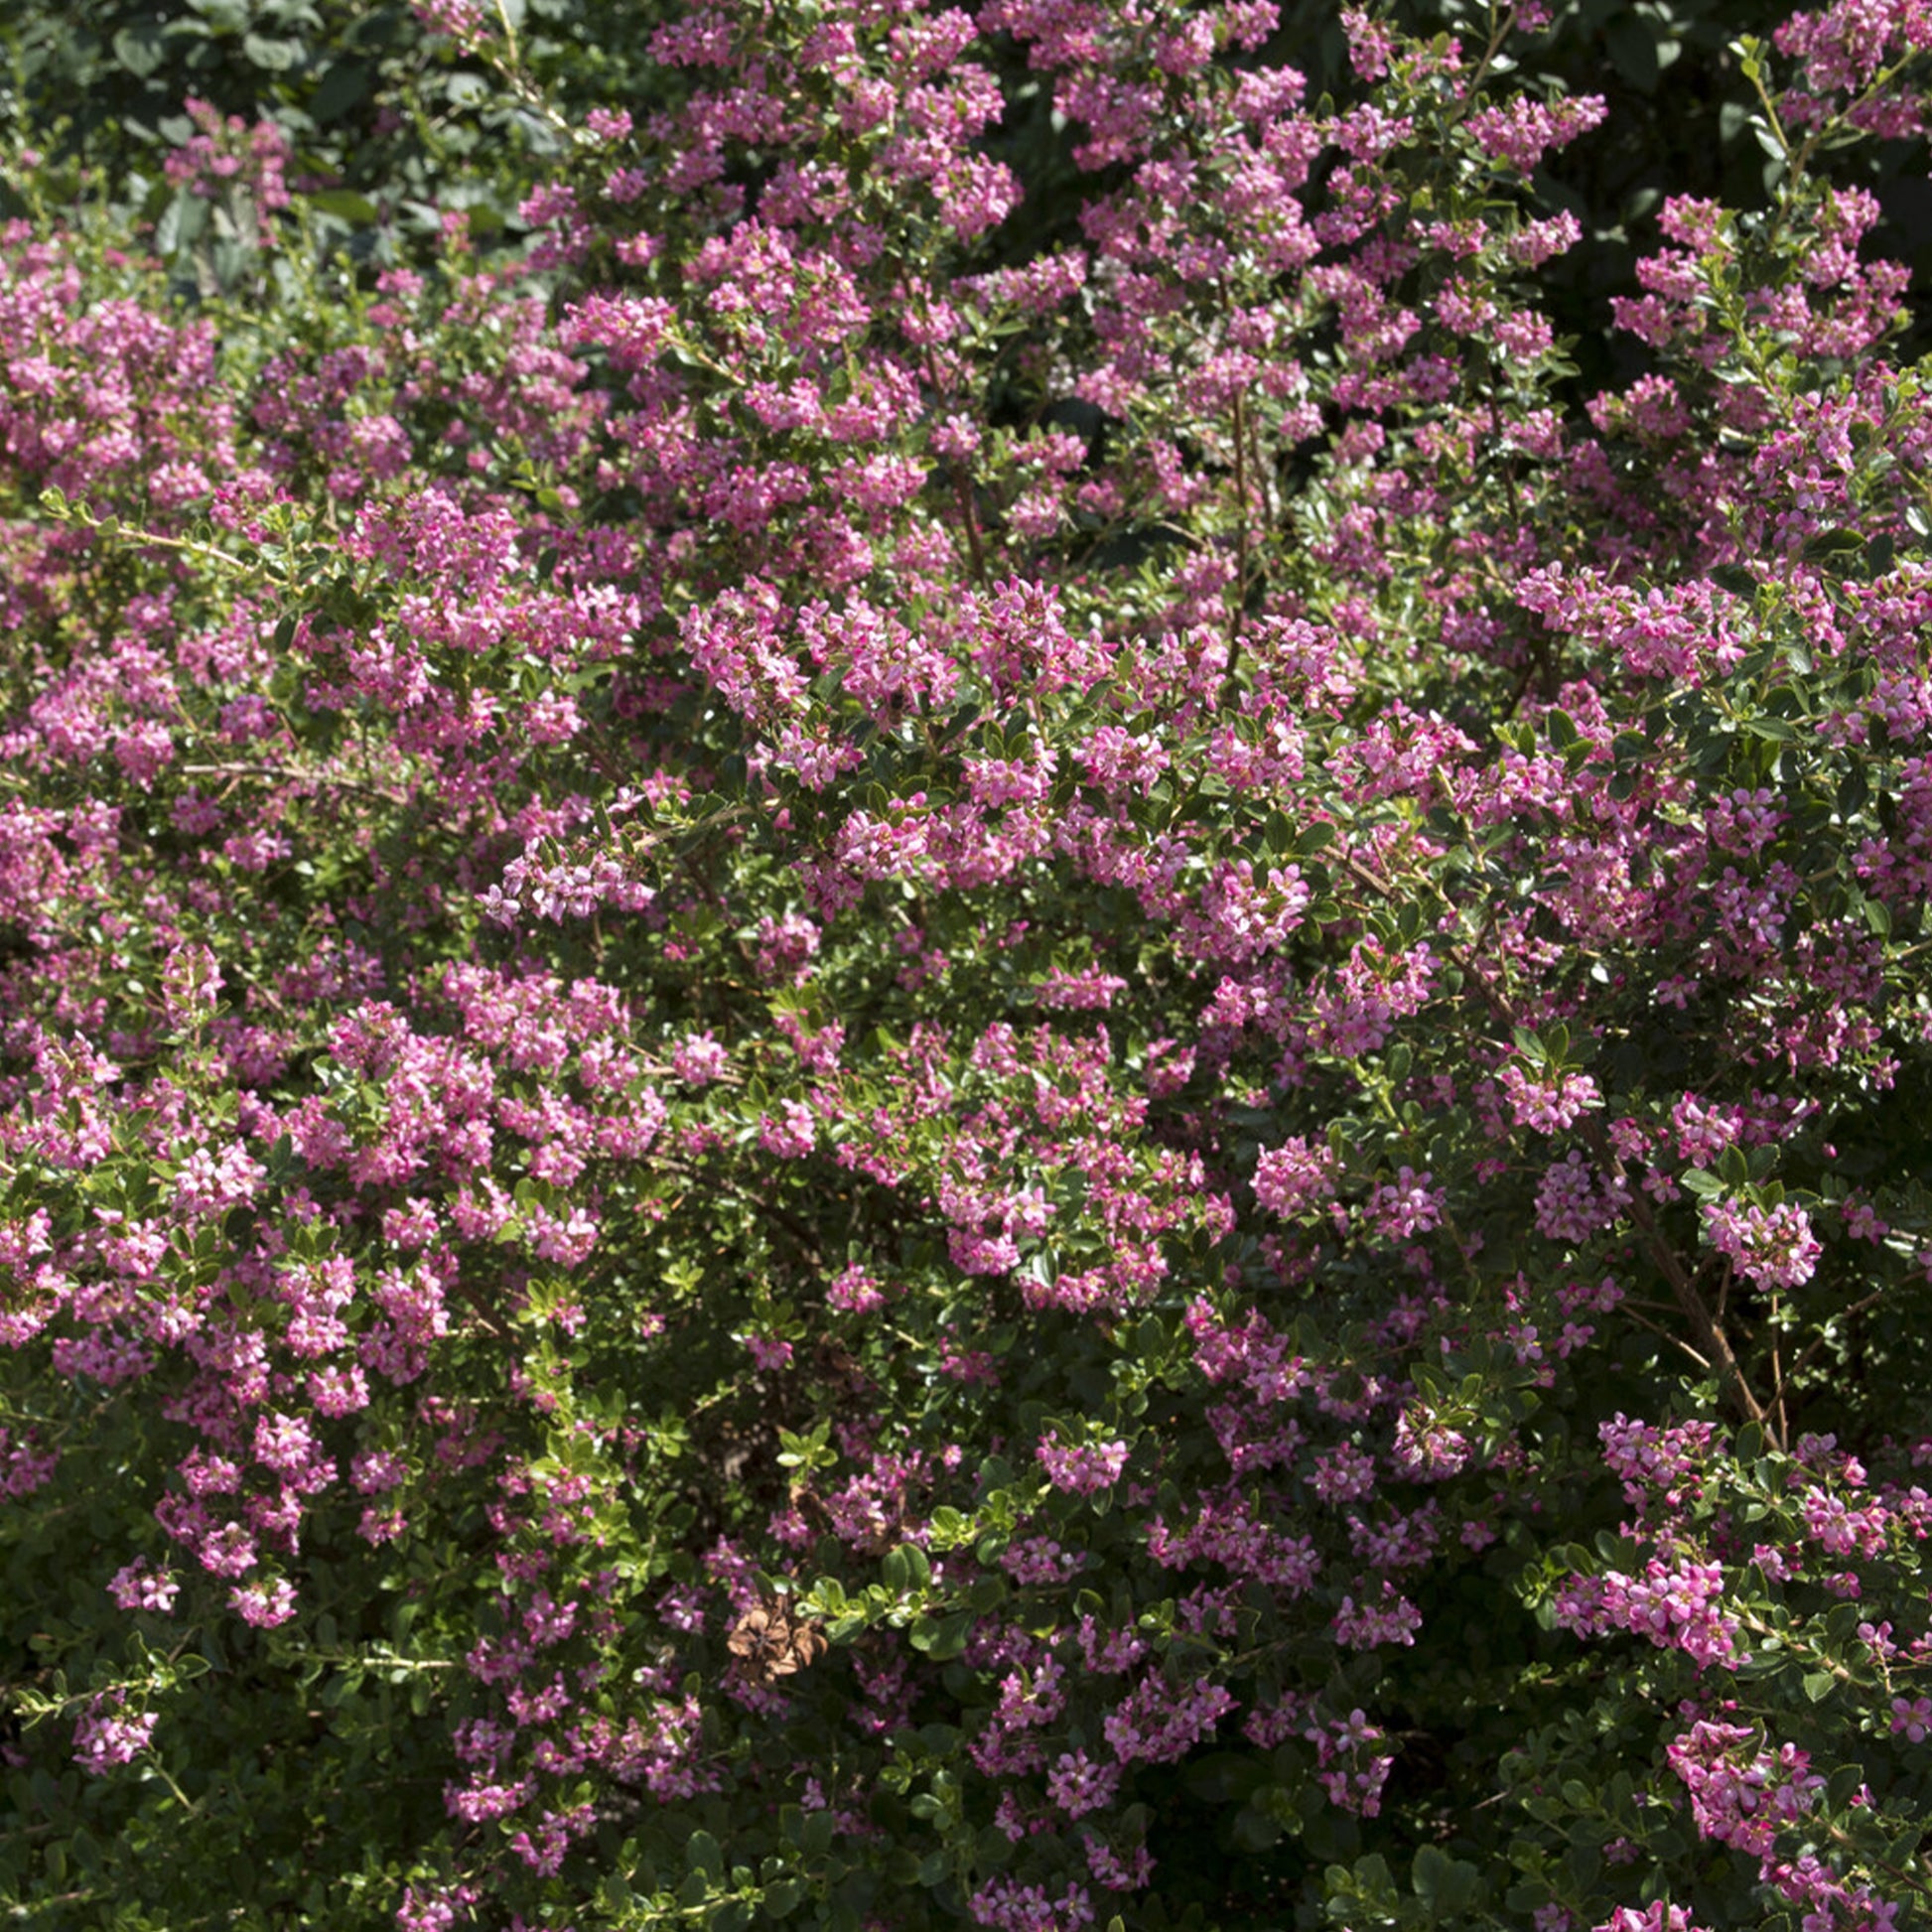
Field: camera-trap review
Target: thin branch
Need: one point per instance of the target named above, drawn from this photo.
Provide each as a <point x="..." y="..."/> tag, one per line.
<point x="1664" y="1334"/>
<point x="297" y="775"/>
<point x="963" y="490"/>
<point x="1818" y="1341"/>
<point x="1777" y="1377"/>
<point x="1238" y="594"/>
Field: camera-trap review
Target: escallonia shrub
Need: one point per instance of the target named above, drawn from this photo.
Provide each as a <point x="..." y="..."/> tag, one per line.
<point x="848" y="1081"/>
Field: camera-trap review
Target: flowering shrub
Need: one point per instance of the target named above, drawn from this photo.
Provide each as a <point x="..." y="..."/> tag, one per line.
<point x="857" y="1077"/>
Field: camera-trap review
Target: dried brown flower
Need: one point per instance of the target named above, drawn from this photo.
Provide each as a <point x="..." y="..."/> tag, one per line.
<point x="769" y="1642"/>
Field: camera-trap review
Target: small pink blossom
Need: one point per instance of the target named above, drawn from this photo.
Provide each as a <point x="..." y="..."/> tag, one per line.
<point x="104" y="1738"/>
<point x="265" y="1603"/>
<point x="138" y="1586"/>
<point x="1294" y="1176"/>
<point x="1774" y="1247"/>
<point x="1083" y="1468"/>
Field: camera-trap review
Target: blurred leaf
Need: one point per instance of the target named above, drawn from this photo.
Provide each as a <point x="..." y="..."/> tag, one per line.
<point x="139" y="49"/>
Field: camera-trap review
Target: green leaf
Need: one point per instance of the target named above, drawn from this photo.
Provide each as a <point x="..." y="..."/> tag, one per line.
<point x="1253" y="1830"/>
<point x="345" y="203"/>
<point x="1633" y="51"/>
<point x="138" y="48"/>
<point x="943" y="1639"/>
<point x="702" y="1852"/>
<point x="1823" y="545"/>
<point x="182" y="223"/>
<point x="277" y="56"/>
<point x="1905" y="1850"/>
<point x="345" y="83"/>
<point x="1445" y="1885"/>
<point x="985" y="1592"/>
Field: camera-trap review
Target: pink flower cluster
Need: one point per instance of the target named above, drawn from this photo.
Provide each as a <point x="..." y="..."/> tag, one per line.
<point x="1742" y="1792"/>
<point x="1351" y="1770"/>
<point x="1679" y="1607"/>
<point x="104" y="1737"/>
<point x="1772" y="1247"/>
<point x="1082" y="1467"/>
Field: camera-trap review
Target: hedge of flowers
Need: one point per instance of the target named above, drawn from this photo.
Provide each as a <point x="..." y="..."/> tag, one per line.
<point x="851" y="1078"/>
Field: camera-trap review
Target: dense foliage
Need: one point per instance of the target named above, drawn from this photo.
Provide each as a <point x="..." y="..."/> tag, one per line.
<point x="933" y="1008"/>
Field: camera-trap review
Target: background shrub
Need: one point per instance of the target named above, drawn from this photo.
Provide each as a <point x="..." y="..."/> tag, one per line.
<point x="927" y="999"/>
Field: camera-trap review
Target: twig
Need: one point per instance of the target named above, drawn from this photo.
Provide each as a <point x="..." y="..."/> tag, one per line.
<point x="1657" y="1328"/>
<point x="1777" y="1376"/>
<point x="962" y="488"/>
<point x="296" y="774"/>
<point x="1683" y="1288"/>
<point x="1238" y="596"/>
<point x="1818" y="1341"/>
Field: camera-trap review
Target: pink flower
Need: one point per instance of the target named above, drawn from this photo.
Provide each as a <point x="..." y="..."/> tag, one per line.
<point x="1294" y="1176"/>
<point x="1082" y="1468"/>
<point x="1406" y="1207"/>
<point x="1391" y="1618"/>
<point x="265" y="1603"/>
<point x="1914" y="1719"/>
<point x="1551" y="1102"/>
<point x="103" y="1739"/>
<point x="1078" y="1785"/>
<point x="139" y="1587"/>
<point x="1774" y="1247"/>
<point x="767" y="1352"/>
<point x="793" y="1136"/>
<point x="1522" y="131"/>
<point x="1656" y="1917"/>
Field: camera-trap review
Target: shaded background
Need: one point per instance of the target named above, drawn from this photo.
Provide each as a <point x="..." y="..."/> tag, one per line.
<point x="393" y="126"/>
